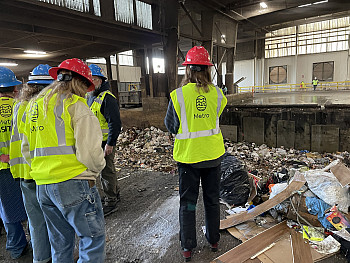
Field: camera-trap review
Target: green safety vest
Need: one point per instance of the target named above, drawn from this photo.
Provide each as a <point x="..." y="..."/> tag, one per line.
<point x="315" y="82"/>
<point x="51" y="140"/>
<point x="96" y="109"/>
<point x="18" y="165"/>
<point x="199" y="137"/>
<point x="6" y="111"/>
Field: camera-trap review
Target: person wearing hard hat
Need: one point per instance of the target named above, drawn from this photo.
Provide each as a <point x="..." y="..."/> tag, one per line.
<point x="105" y="106"/>
<point x="12" y="211"/>
<point x="65" y="162"/>
<point x="193" y="115"/>
<point x="38" y="79"/>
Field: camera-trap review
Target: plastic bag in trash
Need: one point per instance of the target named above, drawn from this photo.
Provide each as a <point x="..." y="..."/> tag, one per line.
<point x="234" y="183"/>
<point x="327" y="187"/>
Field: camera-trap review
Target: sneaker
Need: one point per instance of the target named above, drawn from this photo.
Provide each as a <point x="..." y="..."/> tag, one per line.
<point x="214" y="247"/>
<point x="187" y="254"/>
<point x="107" y="210"/>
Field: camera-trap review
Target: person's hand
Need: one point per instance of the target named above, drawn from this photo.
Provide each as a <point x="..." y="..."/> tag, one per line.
<point x="108" y="149"/>
<point x="5" y="158"/>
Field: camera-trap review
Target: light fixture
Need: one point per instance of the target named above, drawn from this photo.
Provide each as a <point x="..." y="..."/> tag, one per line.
<point x="304" y="5"/>
<point x="35" y="52"/>
<point x="320" y="2"/>
<point x="263" y="5"/>
<point x="8" y="64"/>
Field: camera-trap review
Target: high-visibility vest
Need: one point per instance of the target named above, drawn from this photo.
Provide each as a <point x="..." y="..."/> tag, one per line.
<point x="18" y="165"/>
<point x="315" y="82"/>
<point x="96" y="109"/>
<point x="51" y="140"/>
<point x="199" y="137"/>
<point x="6" y="111"/>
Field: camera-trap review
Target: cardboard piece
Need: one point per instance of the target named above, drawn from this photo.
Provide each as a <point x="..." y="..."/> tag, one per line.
<point x="342" y="173"/>
<point x="254" y="245"/>
<point x="297" y="182"/>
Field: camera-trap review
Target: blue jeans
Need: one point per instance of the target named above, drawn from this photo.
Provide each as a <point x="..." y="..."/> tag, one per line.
<point x="73" y="207"/>
<point x="37" y="225"/>
<point x="16" y="239"/>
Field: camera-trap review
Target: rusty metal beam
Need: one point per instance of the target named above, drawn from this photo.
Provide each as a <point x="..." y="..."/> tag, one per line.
<point x="191" y="18"/>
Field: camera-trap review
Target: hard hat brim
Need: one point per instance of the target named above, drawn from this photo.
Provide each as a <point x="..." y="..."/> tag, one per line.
<point x="40" y="81"/>
<point x="192" y="63"/>
<point x="10" y="84"/>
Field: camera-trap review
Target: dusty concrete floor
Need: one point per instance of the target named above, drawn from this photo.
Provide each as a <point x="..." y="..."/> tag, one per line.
<point x="145" y="226"/>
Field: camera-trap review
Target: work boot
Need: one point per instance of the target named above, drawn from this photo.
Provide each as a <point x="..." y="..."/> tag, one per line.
<point x="187" y="254"/>
<point x="214" y="247"/>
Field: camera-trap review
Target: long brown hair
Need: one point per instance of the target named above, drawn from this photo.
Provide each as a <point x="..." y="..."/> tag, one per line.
<point x="76" y="86"/>
<point x="201" y="78"/>
<point x="29" y="91"/>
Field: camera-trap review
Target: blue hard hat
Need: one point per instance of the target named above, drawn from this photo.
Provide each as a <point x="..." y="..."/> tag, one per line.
<point x="40" y="75"/>
<point x="8" y="78"/>
<point x="96" y="71"/>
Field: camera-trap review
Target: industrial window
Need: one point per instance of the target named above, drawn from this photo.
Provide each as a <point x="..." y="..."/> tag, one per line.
<point x="323" y="71"/>
<point x="325" y="36"/>
<point x="126" y="58"/>
<point x="124" y="12"/>
<point x="77" y="5"/>
<point x="278" y="75"/>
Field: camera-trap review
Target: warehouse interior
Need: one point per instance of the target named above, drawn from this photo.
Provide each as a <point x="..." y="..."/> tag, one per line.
<point x="266" y="55"/>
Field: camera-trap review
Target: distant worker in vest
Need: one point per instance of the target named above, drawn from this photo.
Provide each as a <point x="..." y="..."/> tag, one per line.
<point x="193" y="115"/>
<point x="302" y="85"/>
<point x="315" y="83"/>
<point x="12" y="211"/>
<point x="105" y="106"/>
<point x="65" y="162"/>
<point x="38" y="79"/>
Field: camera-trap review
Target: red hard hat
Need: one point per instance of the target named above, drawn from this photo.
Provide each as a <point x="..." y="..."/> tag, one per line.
<point x="75" y="65"/>
<point x="197" y="56"/>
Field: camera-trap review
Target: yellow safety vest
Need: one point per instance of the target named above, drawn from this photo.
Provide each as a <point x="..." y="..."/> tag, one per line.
<point x="51" y="139"/>
<point x="6" y="111"/>
<point x="199" y="137"/>
<point x="315" y="82"/>
<point x="96" y="109"/>
<point x="18" y="165"/>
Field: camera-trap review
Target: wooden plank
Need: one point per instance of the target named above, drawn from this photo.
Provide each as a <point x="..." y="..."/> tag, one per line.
<point x="300" y="248"/>
<point x="254" y="245"/>
<point x="342" y="173"/>
<point x="297" y="182"/>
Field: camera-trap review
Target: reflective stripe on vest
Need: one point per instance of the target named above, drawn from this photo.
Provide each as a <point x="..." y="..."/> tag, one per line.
<point x="15" y="134"/>
<point x="96" y="109"/>
<point x="18" y="160"/>
<point x="62" y="148"/>
<point x="184" y="124"/>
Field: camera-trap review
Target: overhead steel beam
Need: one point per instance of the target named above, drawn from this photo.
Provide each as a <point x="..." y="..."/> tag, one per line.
<point x="191" y="18"/>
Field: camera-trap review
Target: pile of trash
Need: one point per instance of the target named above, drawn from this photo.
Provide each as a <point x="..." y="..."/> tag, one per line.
<point x="148" y="148"/>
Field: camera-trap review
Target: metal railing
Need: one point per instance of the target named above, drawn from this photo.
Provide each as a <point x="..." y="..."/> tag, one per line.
<point x="335" y="85"/>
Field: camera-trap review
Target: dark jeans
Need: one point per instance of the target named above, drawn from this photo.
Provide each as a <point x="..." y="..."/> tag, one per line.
<point x="189" y="179"/>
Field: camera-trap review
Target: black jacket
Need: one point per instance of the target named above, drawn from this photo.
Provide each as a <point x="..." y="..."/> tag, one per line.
<point x="110" y="110"/>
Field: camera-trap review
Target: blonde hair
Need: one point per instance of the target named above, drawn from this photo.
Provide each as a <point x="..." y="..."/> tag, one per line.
<point x="201" y="78"/>
<point x="69" y="88"/>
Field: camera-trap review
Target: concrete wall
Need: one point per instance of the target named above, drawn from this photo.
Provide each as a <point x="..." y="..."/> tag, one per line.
<point x="304" y="128"/>
<point x="244" y="68"/>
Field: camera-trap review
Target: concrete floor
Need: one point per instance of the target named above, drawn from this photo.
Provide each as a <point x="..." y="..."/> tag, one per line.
<point x="145" y="226"/>
<point x="300" y="98"/>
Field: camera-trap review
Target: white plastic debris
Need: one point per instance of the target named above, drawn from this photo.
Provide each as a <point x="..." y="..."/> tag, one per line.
<point x="327" y="246"/>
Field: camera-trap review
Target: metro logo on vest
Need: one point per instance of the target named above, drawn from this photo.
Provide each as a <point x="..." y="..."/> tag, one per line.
<point x="201" y="103"/>
<point x="5" y="110"/>
<point x="34" y="112"/>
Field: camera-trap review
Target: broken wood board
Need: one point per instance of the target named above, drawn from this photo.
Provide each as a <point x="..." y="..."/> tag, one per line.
<point x="297" y="182"/>
<point x="342" y="173"/>
<point x="300" y="205"/>
<point x="254" y="245"/>
<point x="301" y="250"/>
<point x="253" y="191"/>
